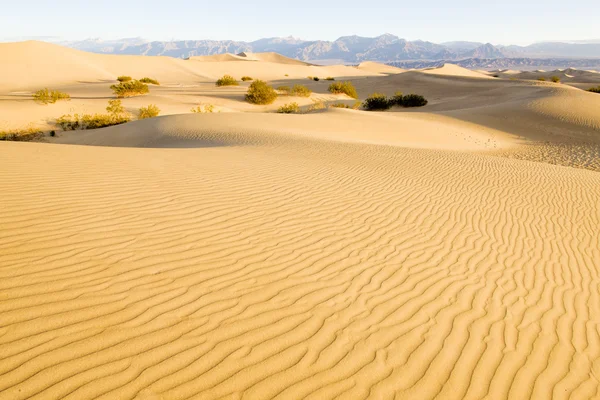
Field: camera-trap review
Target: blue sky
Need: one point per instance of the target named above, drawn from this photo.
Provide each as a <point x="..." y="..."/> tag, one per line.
<point x="502" y="22"/>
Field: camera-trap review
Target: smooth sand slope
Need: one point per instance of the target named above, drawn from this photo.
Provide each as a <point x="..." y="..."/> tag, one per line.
<point x="411" y="254"/>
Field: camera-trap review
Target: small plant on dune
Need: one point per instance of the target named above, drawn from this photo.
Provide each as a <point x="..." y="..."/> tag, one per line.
<point x="148" y="112"/>
<point x="291" y="108"/>
<point x="115" y="108"/>
<point x="316" y="79"/>
<point x="301" y="91"/>
<point x="260" y="92"/>
<point x="555" y="79"/>
<point x="21" y="135"/>
<point x="130" y="89"/>
<point x="227" y="80"/>
<point x="284" y="89"/>
<point x="246" y="78"/>
<point x="317" y="105"/>
<point x="594" y="89"/>
<point x="377" y="102"/>
<point x="286" y="75"/>
<point x="330" y="78"/>
<point x="343" y="88"/>
<point x="541" y="79"/>
<point x="413" y="100"/>
<point x="88" y="121"/>
<point x="45" y="96"/>
<point x="206" y="108"/>
<point x="124" y="78"/>
<point x="149" y="80"/>
<point x="339" y="105"/>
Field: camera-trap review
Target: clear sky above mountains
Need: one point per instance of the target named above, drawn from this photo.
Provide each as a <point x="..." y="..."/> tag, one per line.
<point x="504" y="22"/>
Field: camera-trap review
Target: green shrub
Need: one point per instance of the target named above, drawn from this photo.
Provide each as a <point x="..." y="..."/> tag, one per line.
<point x="594" y="89"/>
<point x="123" y="78"/>
<point x="52" y="133"/>
<point x="227" y="80"/>
<point x="149" y="80"/>
<point x="330" y="78"/>
<point x="115" y="108"/>
<point x="555" y="79"/>
<point x="148" y="112"/>
<point x="291" y="108"/>
<point x="377" y="102"/>
<point x="316" y="79"/>
<point x="130" y="89"/>
<point x="413" y="100"/>
<point x="21" y="135"/>
<point x="260" y="93"/>
<point x="397" y="99"/>
<point x="88" y="121"/>
<point x="246" y="78"/>
<point x="284" y="89"/>
<point x="343" y="88"/>
<point x="542" y="79"/>
<point x="207" y="108"/>
<point x="301" y="91"/>
<point x="45" y="96"/>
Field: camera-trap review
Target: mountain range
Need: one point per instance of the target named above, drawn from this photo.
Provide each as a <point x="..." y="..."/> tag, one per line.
<point x="346" y="49"/>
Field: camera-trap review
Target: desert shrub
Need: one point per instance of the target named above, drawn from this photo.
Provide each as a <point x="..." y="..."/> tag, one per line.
<point x="330" y="78"/>
<point x="246" y="78"/>
<point x="286" y="74"/>
<point x="260" y="92"/>
<point x="115" y="108"/>
<point x="316" y="79"/>
<point x="310" y="78"/>
<point x="130" y="89"/>
<point x="301" y="91"/>
<point x="397" y="99"/>
<point x="124" y="78"/>
<point x="594" y="89"/>
<point x="45" y="96"/>
<point x="21" y="135"/>
<point x="88" y="121"/>
<point x="343" y="87"/>
<point x="317" y="105"/>
<point x="496" y="76"/>
<point x="284" y="89"/>
<point x="541" y="79"/>
<point x="52" y="133"/>
<point x="227" y="80"/>
<point x="555" y="79"/>
<point x="148" y="112"/>
<point x="339" y="105"/>
<point x="149" y="80"/>
<point x="206" y="108"/>
<point x="377" y="102"/>
<point x="413" y="100"/>
<point x="291" y="108"/>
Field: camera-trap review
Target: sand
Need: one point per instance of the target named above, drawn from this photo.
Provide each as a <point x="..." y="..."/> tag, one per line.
<point x="414" y="254"/>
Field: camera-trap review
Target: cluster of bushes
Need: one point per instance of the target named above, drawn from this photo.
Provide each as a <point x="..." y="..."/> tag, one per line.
<point x="379" y="102"/>
<point x="45" y="96"/>
<point x="260" y="92"/>
<point x="594" y="89"/>
<point x="554" y="79"/>
<point x="246" y="78"/>
<point x="148" y="112"/>
<point x="206" y="108"/>
<point x="116" y="116"/>
<point x="296" y="90"/>
<point x="130" y="89"/>
<point x="291" y="108"/>
<point x="343" y="88"/>
<point x="227" y="80"/>
<point x="21" y="135"/>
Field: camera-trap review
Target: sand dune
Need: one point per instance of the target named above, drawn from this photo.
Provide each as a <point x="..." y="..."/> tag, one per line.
<point x="379" y="68"/>
<point x="431" y="253"/>
<point x="455" y="70"/>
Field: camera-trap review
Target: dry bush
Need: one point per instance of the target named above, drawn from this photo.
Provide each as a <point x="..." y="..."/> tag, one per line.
<point x="88" y="121"/>
<point x="149" y="80"/>
<point x="149" y="112"/>
<point x="594" y="89"/>
<point x="246" y="78"/>
<point x="124" y="78"/>
<point x="330" y="78"/>
<point x="377" y="102"/>
<point x="21" y="135"/>
<point x="291" y="108"/>
<point x="206" y="108"/>
<point x="555" y="79"/>
<point x="45" y="96"/>
<point x="130" y="89"/>
<point x="301" y="91"/>
<point x="260" y="92"/>
<point x="343" y="88"/>
<point x="541" y="79"/>
<point x="227" y="80"/>
<point x="317" y="105"/>
<point x="285" y="89"/>
<point x="413" y="100"/>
